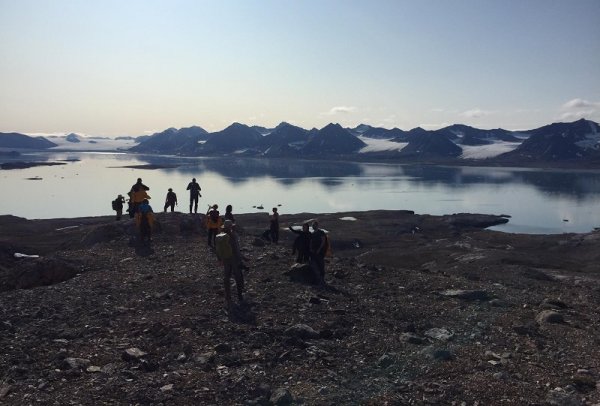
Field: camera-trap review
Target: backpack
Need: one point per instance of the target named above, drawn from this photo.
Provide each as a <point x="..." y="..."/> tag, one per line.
<point x="115" y="205"/>
<point x="223" y="245"/>
<point x="214" y="216"/>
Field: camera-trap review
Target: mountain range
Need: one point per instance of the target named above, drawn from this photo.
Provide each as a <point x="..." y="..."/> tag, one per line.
<point x="574" y="142"/>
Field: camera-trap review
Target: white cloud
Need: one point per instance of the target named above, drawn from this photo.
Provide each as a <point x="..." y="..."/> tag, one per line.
<point x="580" y="104"/>
<point x="341" y="110"/>
<point x="579" y="108"/>
<point x="475" y="113"/>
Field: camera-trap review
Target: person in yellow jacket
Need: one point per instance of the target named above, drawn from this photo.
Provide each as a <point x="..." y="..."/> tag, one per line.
<point x="144" y="219"/>
<point x="213" y="223"/>
<point x="137" y="195"/>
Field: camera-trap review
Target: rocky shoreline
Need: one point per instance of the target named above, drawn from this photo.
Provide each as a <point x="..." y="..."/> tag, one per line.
<point x="418" y="310"/>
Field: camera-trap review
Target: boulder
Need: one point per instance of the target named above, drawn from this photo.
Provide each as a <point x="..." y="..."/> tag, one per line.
<point x="301" y="273"/>
<point x="440" y="334"/>
<point x="468" y="295"/>
<point x="302" y="331"/>
<point x="549" y="316"/>
<point x="132" y="354"/>
<point x="281" y="397"/>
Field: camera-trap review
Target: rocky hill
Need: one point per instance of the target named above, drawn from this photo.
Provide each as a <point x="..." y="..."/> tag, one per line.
<point x="417" y="310"/>
<point x="16" y="140"/>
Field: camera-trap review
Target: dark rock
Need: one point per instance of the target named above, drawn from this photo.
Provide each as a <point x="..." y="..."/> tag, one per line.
<point x="439" y="354"/>
<point x="468" y="295"/>
<point x="301" y="273"/>
<point x="132" y="354"/>
<point x="258" y="242"/>
<point x="411" y="338"/>
<point x="552" y="304"/>
<point x="222" y="348"/>
<point x="386" y="360"/>
<point x="302" y="331"/>
<point x="549" y="316"/>
<point x="281" y="397"/>
<point x="75" y="363"/>
<point x="560" y="398"/>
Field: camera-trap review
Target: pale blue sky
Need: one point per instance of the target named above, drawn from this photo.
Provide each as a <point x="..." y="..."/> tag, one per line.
<point x="132" y="67"/>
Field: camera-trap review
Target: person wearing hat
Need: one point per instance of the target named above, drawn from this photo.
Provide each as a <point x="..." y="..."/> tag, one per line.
<point x="231" y="258"/>
<point x="213" y="223"/>
<point x="171" y="200"/>
<point x="194" y="189"/>
<point x="118" y="206"/>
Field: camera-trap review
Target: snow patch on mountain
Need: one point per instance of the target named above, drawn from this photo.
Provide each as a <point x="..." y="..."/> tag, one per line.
<point x="378" y="145"/>
<point x="487" y="151"/>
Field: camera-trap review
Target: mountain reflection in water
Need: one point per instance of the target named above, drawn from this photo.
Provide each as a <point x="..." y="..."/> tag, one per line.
<point x="538" y="200"/>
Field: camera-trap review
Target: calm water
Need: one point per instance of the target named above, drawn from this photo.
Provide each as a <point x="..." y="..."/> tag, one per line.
<point x="539" y="201"/>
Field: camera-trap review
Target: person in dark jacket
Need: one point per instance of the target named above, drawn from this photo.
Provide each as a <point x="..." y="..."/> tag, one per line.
<point x="302" y="243"/>
<point x="229" y="213"/>
<point x="318" y="248"/>
<point x="194" y="189"/>
<point x="274" y="226"/>
<point x="171" y="200"/>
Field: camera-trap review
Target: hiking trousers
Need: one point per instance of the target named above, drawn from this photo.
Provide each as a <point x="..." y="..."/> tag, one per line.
<point x="194" y="203"/>
<point x="231" y="267"/>
<point x="317" y="264"/>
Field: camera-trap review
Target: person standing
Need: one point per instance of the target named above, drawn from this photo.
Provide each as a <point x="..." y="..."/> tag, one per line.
<point x="302" y="243"/>
<point x="194" y="189"/>
<point x="171" y="200"/>
<point x="213" y="223"/>
<point x="318" y="248"/>
<point x="274" y="226"/>
<point x="144" y="218"/>
<point x="229" y="213"/>
<point x="230" y="256"/>
<point x="118" y="206"/>
<point x="137" y="195"/>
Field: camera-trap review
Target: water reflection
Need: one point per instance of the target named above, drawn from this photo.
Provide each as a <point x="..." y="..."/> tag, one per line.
<point x="537" y="199"/>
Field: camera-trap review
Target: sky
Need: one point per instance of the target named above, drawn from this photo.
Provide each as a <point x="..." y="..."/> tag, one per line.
<point x="114" y="68"/>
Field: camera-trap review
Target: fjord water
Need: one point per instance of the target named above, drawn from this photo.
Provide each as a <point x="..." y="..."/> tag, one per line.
<point x="538" y="201"/>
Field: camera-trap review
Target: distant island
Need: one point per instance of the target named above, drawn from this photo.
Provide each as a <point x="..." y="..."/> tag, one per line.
<point x="574" y="144"/>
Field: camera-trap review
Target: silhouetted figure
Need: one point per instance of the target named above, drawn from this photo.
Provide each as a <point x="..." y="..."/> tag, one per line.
<point x="194" y="189"/>
<point x="171" y="200"/>
<point x="318" y="248"/>
<point x="229" y="213"/>
<point x="274" y="226"/>
<point x="117" y="206"/>
<point x="302" y="243"/>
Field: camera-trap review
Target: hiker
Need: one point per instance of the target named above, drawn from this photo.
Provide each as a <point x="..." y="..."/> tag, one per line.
<point x="213" y="223"/>
<point x="229" y="255"/>
<point x="194" y="189"/>
<point x="229" y="213"/>
<point x="171" y="200"/>
<point x="137" y="195"/>
<point x="301" y="243"/>
<point x="318" y="248"/>
<point x="144" y="218"/>
<point x="274" y="226"/>
<point x="117" y="206"/>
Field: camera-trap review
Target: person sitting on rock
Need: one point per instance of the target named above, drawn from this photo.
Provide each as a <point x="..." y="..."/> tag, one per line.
<point x="301" y="243"/>
<point x="144" y="218"/>
<point x="171" y="200"/>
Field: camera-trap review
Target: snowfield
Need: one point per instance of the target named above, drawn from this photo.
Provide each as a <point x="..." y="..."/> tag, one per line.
<point x="90" y="143"/>
<point x="378" y="145"/>
<point x="487" y="151"/>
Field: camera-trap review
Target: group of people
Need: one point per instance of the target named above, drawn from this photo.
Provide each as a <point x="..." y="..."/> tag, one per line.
<point x="222" y="236"/>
